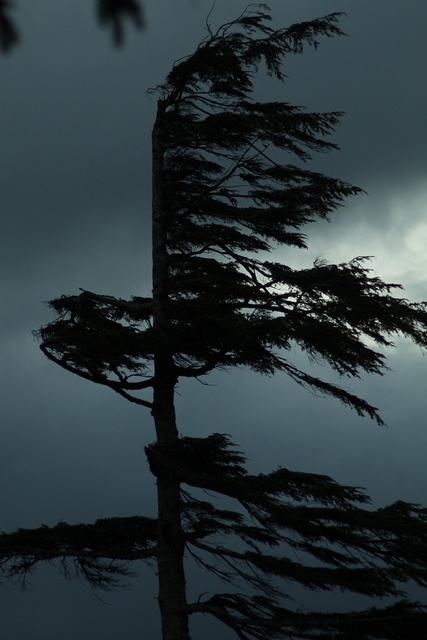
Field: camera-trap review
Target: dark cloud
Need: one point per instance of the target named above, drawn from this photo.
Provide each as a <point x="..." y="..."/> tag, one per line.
<point x="75" y="203"/>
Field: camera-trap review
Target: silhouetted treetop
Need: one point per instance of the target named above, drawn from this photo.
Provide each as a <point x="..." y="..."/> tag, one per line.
<point x="230" y="187"/>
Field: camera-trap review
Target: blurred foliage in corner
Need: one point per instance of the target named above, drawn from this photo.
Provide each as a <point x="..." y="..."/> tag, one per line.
<point x="8" y="33"/>
<point x="112" y="13"/>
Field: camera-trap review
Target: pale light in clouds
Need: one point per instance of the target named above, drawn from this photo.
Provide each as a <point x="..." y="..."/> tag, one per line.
<point x="391" y="227"/>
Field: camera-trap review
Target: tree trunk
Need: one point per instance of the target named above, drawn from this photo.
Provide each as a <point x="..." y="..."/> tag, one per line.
<point x="171" y="546"/>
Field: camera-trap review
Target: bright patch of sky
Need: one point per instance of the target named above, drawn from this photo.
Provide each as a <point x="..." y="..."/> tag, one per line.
<point x="392" y="229"/>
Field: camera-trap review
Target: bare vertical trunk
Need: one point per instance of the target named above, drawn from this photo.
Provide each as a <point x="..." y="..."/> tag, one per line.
<point x="171" y="546"/>
<point x="170" y="556"/>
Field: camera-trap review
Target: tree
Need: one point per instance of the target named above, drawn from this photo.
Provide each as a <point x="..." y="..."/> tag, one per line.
<point x="224" y="199"/>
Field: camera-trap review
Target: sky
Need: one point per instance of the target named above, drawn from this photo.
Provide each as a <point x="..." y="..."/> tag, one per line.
<point x="75" y="124"/>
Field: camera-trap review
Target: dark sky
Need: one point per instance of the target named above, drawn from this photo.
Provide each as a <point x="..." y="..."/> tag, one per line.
<point x="75" y="211"/>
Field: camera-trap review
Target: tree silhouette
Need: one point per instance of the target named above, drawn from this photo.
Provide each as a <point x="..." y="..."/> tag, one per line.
<point x="225" y="197"/>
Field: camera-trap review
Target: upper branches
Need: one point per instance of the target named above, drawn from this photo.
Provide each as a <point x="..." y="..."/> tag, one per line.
<point x="231" y="186"/>
<point x="224" y="64"/>
<point x="235" y="187"/>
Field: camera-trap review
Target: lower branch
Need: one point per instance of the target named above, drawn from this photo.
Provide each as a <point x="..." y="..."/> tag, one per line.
<point x="95" y="552"/>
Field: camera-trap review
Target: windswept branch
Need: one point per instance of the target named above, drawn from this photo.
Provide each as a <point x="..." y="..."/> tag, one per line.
<point x="97" y="552"/>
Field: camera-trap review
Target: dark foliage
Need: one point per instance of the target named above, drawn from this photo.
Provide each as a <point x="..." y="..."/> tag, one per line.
<point x="8" y="32"/>
<point x="287" y="528"/>
<point x="227" y="198"/>
<point x="90" y="551"/>
<point x="112" y="13"/>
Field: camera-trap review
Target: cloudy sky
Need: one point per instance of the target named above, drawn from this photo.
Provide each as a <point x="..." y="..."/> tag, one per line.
<point x="75" y="212"/>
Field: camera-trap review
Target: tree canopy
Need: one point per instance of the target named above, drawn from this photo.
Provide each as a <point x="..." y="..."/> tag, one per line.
<point x="225" y="198"/>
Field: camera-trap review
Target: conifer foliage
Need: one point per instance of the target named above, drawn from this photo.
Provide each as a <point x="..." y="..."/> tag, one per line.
<point x="221" y="199"/>
<point x="287" y="528"/>
<point x="232" y="189"/>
